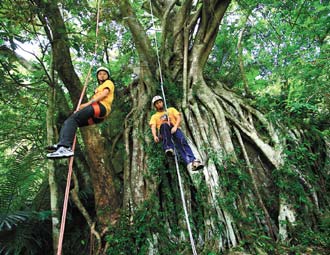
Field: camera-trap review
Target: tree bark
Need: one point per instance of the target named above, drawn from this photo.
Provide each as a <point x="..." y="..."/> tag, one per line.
<point x="51" y="172"/>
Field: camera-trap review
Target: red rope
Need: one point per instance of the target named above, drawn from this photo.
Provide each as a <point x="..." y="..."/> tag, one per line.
<point x="67" y="189"/>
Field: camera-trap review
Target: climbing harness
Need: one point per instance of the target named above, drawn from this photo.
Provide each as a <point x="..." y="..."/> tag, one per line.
<point x="67" y="189"/>
<point x="97" y="112"/>
<point x="192" y="242"/>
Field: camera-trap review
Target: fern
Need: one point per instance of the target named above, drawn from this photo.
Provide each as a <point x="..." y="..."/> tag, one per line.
<point x="25" y="233"/>
<point x="20" y="178"/>
<point x="10" y="221"/>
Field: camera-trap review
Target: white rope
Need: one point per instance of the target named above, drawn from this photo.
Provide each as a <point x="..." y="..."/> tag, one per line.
<point x="158" y="58"/>
<point x="193" y="247"/>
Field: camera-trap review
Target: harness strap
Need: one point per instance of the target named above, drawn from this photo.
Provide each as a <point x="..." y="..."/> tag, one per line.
<point x="97" y="111"/>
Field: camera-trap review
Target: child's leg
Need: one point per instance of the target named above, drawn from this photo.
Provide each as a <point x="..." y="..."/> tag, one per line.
<point x="183" y="147"/>
<point x="165" y="131"/>
<point x="78" y="119"/>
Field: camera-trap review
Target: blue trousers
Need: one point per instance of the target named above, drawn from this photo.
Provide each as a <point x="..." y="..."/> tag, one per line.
<point x="179" y="140"/>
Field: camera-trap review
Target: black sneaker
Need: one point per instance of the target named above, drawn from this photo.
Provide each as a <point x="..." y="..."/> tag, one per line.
<point x="52" y="148"/>
<point x="169" y="152"/>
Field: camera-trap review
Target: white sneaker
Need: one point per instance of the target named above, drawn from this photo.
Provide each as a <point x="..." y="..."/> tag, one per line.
<point x="195" y="165"/>
<point x="169" y="152"/>
<point x="61" y="152"/>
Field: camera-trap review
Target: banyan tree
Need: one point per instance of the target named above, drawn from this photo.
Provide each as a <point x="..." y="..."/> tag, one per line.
<point x="241" y="198"/>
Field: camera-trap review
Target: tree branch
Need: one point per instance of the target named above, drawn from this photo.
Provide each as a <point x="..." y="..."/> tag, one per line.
<point x="54" y="26"/>
<point x="142" y="42"/>
<point x="75" y="197"/>
<point x="4" y="50"/>
<point x="240" y="55"/>
<point x="165" y="24"/>
<point x="211" y="15"/>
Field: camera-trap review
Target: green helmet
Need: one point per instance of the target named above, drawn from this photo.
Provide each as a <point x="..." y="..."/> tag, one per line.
<point x="103" y="69"/>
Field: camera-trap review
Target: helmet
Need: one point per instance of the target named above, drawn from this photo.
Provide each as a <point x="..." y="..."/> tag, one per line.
<point x="155" y="99"/>
<point x="103" y="69"/>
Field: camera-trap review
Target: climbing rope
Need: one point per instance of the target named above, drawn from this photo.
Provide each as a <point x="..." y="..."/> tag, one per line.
<point x="192" y="242"/>
<point x="67" y="189"/>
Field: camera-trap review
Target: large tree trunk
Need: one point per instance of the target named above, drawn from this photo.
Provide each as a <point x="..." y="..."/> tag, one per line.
<point x="224" y="130"/>
<point x="135" y="187"/>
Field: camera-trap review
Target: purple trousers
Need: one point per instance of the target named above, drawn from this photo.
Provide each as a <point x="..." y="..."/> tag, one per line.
<point x="179" y="140"/>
